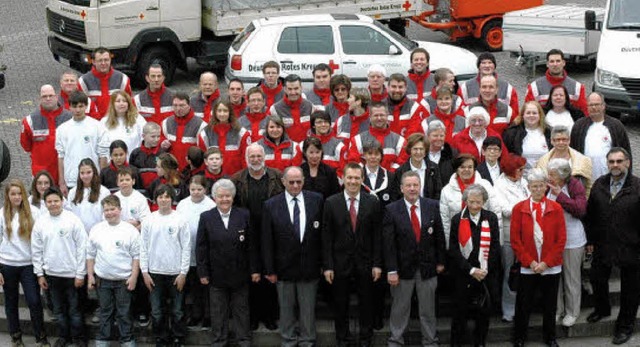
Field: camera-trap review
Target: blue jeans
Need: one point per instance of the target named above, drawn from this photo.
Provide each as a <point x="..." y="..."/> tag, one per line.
<point x="13" y="277"/>
<point x="64" y="296"/>
<point x="115" y="301"/>
<point x="165" y="290"/>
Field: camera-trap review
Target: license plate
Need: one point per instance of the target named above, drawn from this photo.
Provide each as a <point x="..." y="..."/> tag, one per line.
<point x="64" y="61"/>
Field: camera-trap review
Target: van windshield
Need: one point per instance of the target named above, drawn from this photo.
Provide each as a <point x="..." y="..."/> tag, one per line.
<point x="624" y="15"/>
<point x="410" y="45"/>
<point x="85" y="3"/>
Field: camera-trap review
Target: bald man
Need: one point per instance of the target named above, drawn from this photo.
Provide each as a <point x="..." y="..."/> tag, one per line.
<point x="38" y="133"/>
<point x="202" y="103"/>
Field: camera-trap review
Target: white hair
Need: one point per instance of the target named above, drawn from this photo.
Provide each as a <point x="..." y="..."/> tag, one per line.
<point x="478" y="111"/>
<point x="377" y="68"/>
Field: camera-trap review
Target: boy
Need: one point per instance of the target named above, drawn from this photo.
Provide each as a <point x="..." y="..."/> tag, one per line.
<point x="213" y="165"/>
<point x="195" y="163"/>
<point x="144" y="158"/>
<point x="165" y="251"/>
<point x="113" y="253"/>
<point x="58" y="249"/>
<point x="78" y="138"/>
<point x="134" y="205"/>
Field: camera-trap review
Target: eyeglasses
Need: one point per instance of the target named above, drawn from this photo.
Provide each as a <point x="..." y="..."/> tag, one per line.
<point x="595" y="105"/>
<point x="617" y="161"/>
<point x="492" y="149"/>
<point x="291" y="183"/>
<point x="560" y="139"/>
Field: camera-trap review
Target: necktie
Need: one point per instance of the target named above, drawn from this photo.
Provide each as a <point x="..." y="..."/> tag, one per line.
<point x="353" y="214"/>
<point x="615" y="189"/>
<point x="296" y="218"/>
<point x="537" y="207"/>
<point x="415" y="223"/>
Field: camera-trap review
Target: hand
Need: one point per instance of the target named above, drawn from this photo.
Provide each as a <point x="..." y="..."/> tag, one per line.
<point x="393" y="279"/>
<point x="78" y="282"/>
<point x="91" y="282"/>
<point x="541" y="267"/>
<point x="148" y="281"/>
<point x="328" y="276"/>
<point x="439" y="268"/>
<point x="272" y="278"/>
<point x="1" y="280"/>
<point x="255" y="277"/>
<point x="533" y="265"/>
<point x="42" y="282"/>
<point x="479" y="274"/>
<point x="165" y="144"/>
<point x="555" y="190"/>
<point x="589" y="248"/>
<point x="376" y="272"/>
<point x="179" y="282"/>
<point x="131" y="283"/>
<point x="63" y="188"/>
<point x="204" y="281"/>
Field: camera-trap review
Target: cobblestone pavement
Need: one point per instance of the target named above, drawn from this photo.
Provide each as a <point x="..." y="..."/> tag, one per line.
<point x="30" y="64"/>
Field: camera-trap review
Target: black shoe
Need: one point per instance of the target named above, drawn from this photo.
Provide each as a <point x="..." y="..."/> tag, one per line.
<point x="595" y="316"/>
<point x="271" y="325"/>
<point x="192" y="324"/>
<point x="552" y="343"/>
<point x="620" y="338"/>
<point x="143" y="320"/>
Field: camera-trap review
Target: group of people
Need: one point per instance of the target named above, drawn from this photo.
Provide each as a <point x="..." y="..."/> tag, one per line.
<point x="197" y="210"/>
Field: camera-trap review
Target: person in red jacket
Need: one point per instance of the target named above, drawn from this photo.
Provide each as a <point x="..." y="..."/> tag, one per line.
<point x="392" y="143"/>
<point x="445" y="111"/>
<point x="500" y="113"/>
<point x="272" y="85"/>
<point x="421" y="81"/>
<point x="405" y="114"/>
<point x="38" y="134"/>
<point x="102" y="81"/>
<point x="538" y="237"/>
<point x="224" y="132"/>
<point x="236" y="97"/>
<point x="202" y="102"/>
<point x="340" y="86"/>
<point x="180" y="131"/>
<point x="376" y="76"/>
<point x="255" y="118"/>
<point x="294" y="110"/>
<point x="444" y="77"/>
<point x="357" y="120"/>
<point x="334" y="149"/>
<point x="471" y="138"/>
<point x="68" y="85"/>
<point x="154" y="103"/>
<point x="540" y="89"/>
<point x="279" y="151"/>
<point x="320" y="94"/>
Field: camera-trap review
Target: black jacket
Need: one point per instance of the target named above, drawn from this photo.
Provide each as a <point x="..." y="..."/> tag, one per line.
<point x="241" y="180"/>
<point x="515" y="134"/>
<point x="226" y="255"/>
<point x="619" y="137"/>
<point x="344" y="250"/>
<point x="463" y="266"/>
<point x="612" y="226"/>
<point x="382" y="186"/>
<point x="325" y="183"/>
<point x="401" y="251"/>
<point x="483" y="170"/>
<point x="282" y="252"/>
<point x="446" y="162"/>
<point x="431" y="186"/>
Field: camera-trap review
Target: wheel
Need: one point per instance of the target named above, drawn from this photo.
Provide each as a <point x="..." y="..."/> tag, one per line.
<point x="155" y="54"/>
<point x="492" y="35"/>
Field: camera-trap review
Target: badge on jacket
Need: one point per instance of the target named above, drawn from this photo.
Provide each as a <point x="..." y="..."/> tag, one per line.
<point x="241" y="235"/>
<point x="316" y="224"/>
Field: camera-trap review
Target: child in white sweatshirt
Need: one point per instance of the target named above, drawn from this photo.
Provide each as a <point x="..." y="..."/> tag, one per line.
<point x="113" y="264"/>
<point x="58" y="248"/>
<point x="165" y="252"/>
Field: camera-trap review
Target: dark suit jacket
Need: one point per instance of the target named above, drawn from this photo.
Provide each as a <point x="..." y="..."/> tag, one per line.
<point x="483" y="170"/>
<point x="226" y="256"/>
<point x="401" y="251"/>
<point x="282" y="252"/>
<point x="431" y="186"/>
<point x="461" y="265"/>
<point x="345" y="251"/>
<point x="382" y="186"/>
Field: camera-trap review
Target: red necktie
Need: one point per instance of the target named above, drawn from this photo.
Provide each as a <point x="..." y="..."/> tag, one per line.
<point x="415" y="223"/>
<point x="537" y="207"/>
<point x="353" y="214"/>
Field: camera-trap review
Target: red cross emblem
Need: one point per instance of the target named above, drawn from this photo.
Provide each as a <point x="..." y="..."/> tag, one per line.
<point x="83" y="14"/>
<point x="406" y="5"/>
<point x="333" y="66"/>
<point x="141" y="16"/>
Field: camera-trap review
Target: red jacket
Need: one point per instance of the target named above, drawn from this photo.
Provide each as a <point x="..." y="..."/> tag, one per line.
<point x="232" y="144"/>
<point x="465" y="144"/>
<point x="392" y="144"/>
<point x="182" y="132"/>
<point x="553" y="230"/>
<point x="539" y="90"/>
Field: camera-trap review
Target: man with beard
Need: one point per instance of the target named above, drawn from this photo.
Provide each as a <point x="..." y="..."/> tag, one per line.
<point x="405" y="114"/>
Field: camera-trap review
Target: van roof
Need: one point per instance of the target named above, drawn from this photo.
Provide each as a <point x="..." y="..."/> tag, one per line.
<point x="313" y="18"/>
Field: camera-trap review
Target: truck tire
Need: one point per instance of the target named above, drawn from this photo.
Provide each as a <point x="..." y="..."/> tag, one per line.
<point x="492" y="35"/>
<point x="155" y="54"/>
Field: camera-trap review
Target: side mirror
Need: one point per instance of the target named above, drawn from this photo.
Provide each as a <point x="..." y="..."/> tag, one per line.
<point x="393" y="50"/>
<point x="590" y="20"/>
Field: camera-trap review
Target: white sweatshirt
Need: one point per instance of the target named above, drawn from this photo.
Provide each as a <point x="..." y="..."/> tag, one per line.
<point x="58" y="246"/>
<point x="42" y="209"/>
<point x="132" y="136"/>
<point x="14" y="250"/>
<point x="191" y="211"/>
<point x="134" y="206"/>
<point x="76" y="140"/>
<point x="165" y="245"/>
<point x="89" y="213"/>
<point x="114" y="247"/>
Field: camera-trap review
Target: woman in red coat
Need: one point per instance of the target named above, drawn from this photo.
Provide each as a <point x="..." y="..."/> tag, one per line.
<point x="538" y="237"/>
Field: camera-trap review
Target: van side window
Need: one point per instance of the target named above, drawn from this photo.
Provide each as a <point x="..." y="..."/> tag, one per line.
<point x="363" y="40"/>
<point x="307" y="40"/>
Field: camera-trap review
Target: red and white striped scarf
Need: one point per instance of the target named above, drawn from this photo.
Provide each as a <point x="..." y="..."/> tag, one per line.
<point x="466" y="244"/>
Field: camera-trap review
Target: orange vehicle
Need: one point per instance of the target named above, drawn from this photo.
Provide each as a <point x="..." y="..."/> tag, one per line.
<point x="481" y="19"/>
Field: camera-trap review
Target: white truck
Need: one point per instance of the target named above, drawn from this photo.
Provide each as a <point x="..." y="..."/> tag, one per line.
<point x="139" y="32"/>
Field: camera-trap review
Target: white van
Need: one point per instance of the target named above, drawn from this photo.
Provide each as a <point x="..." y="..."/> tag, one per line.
<point x="617" y="74"/>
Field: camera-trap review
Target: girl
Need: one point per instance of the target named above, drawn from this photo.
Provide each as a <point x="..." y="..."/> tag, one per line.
<point x="225" y="132"/>
<point x="167" y="168"/>
<point x="123" y="121"/>
<point x="16" y="223"/>
<point x="41" y="182"/>
<point x="86" y="196"/>
<point x="280" y="151"/>
<point x="109" y="175"/>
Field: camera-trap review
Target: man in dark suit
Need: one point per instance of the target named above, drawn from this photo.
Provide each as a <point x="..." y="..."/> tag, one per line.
<point x="351" y="249"/>
<point x="414" y="253"/>
<point x="291" y="227"/>
<point x="226" y="260"/>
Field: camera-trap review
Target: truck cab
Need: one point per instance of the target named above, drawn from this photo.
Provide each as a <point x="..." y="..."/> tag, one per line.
<point x="617" y="74"/>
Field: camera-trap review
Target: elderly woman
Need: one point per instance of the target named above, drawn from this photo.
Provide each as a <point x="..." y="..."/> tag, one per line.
<point x="440" y="152"/>
<point x="225" y="237"/>
<point x="451" y="196"/>
<point x="428" y="171"/>
<point x="318" y="176"/>
<point x="511" y="188"/>
<point x="538" y="237"/>
<point x="470" y="139"/>
<point x="529" y="136"/>
<point x="570" y="194"/>
<point x="474" y="250"/>
<point x="580" y="164"/>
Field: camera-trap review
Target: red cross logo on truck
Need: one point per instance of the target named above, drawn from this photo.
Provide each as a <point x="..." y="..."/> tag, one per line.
<point x="333" y="66"/>
<point x="406" y="5"/>
<point x="83" y="14"/>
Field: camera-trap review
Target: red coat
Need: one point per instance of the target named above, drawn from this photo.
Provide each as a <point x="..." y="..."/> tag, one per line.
<point x="463" y="142"/>
<point x="553" y="229"/>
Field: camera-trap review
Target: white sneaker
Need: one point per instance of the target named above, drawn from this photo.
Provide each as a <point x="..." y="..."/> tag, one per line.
<point x="568" y="321"/>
